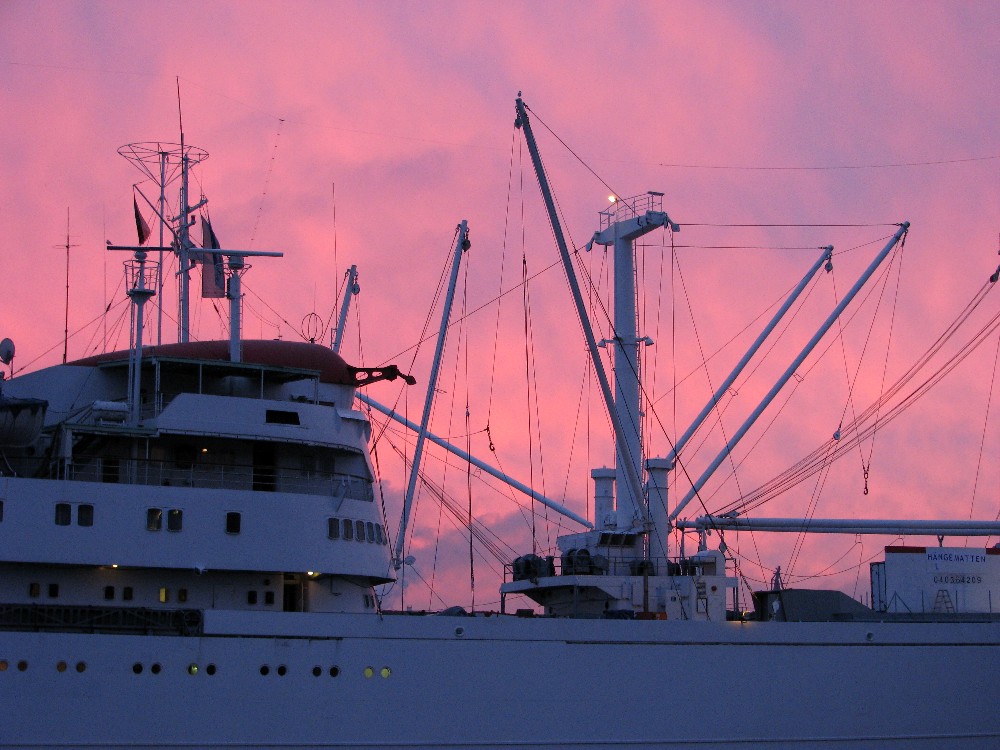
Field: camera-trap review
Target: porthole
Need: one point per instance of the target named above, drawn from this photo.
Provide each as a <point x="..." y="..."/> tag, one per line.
<point x="155" y="669"/>
<point x="3" y="665"/>
<point x="137" y="668"/>
<point x="192" y="669"/>
<point x="265" y="670"/>
<point x="369" y="672"/>
<point x="61" y="666"/>
<point x="22" y="666"/>
<point x="385" y="672"/>
<point x="81" y="667"/>
<point x="210" y="670"/>
<point x="282" y="670"/>
<point x="317" y="671"/>
<point x="334" y="671"/>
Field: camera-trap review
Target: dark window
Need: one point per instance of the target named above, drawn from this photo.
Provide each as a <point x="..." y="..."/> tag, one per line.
<point x="360" y="529"/>
<point x="53" y="590"/>
<point x="109" y="592"/>
<point x="378" y="533"/>
<point x="127" y="593"/>
<point x="63" y="514"/>
<point x="277" y="416"/>
<point x="371" y="531"/>
<point x="1" y="511"/>
<point x="348" y="528"/>
<point x="85" y="515"/>
<point x="232" y="522"/>
<point x="154" y="519"/>
<point x="182" y="595"/>
<point x="175" y="519"/>
<point x="269" y="598"/>
<point x="34" y="590"/>
<point x="333" y="530"/>
<point x="251" y="597"/>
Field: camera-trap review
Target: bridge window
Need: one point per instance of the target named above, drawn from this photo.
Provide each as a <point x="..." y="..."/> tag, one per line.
<point x="348" y="529"/>
<point x="371" y="531"/>
<point x="360" y="530"/>
<point x="333" y="528"/>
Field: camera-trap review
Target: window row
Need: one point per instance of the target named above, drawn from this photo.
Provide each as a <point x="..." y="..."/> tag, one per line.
<point x="254" y="598"/>
<point x="210" y="669"/>
<point x="345" y="528"/>
<point x="84" y="514"/>
<point x="128" y="594"/>
<point x="154" y="519"/>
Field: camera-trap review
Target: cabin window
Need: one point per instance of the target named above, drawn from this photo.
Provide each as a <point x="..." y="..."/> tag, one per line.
<point x="232" y="522"/>
<point x="63" y="514"/>
<point x="34" y="590"/>
<point x="85" y="515"/>
<point x="333" y="528"/>
<point x="348" y="529"/>
<point x="164" y="595"/>
<point x="251" y="597"/>
<point x="127" y="593"/>
<point x="53" y="590"/>
<point x="269" y="598"/>
<point x="175" y="519"/>
<point x="371" y="531"/>
<point x="154" y="519"/>
<point x="360" y="529"/>
<point x="1" y="511"/>
<point x="182" y="595"/>
<point x="109" y="592"/>
<point x="278" y="416"/>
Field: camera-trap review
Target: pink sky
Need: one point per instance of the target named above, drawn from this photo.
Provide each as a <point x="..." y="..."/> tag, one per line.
<point x="408" y="109"/>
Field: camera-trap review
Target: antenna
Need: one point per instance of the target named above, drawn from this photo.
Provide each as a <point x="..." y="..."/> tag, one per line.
<point x="66" y="321"/>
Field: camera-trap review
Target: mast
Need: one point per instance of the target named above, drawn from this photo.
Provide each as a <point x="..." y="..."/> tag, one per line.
<point x="625" y="222"/>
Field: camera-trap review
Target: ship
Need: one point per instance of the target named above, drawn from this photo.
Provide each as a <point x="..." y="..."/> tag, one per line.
<point x="192" y="555"/>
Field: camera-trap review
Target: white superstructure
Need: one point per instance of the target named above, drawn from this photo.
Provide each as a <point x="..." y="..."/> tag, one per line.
<point x="190" y="545"/>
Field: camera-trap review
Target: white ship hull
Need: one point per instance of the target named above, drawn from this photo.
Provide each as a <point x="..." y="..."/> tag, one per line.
<point x="506" y="682"/>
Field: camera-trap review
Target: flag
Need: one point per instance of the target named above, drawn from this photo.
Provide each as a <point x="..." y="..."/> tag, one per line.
<point x="208" y="238"/>
<point x="140" y="223"/>
<point x="213" y="276"/>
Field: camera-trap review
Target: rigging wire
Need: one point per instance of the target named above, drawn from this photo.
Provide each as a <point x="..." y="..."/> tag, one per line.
<point x="890" y="401"/>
